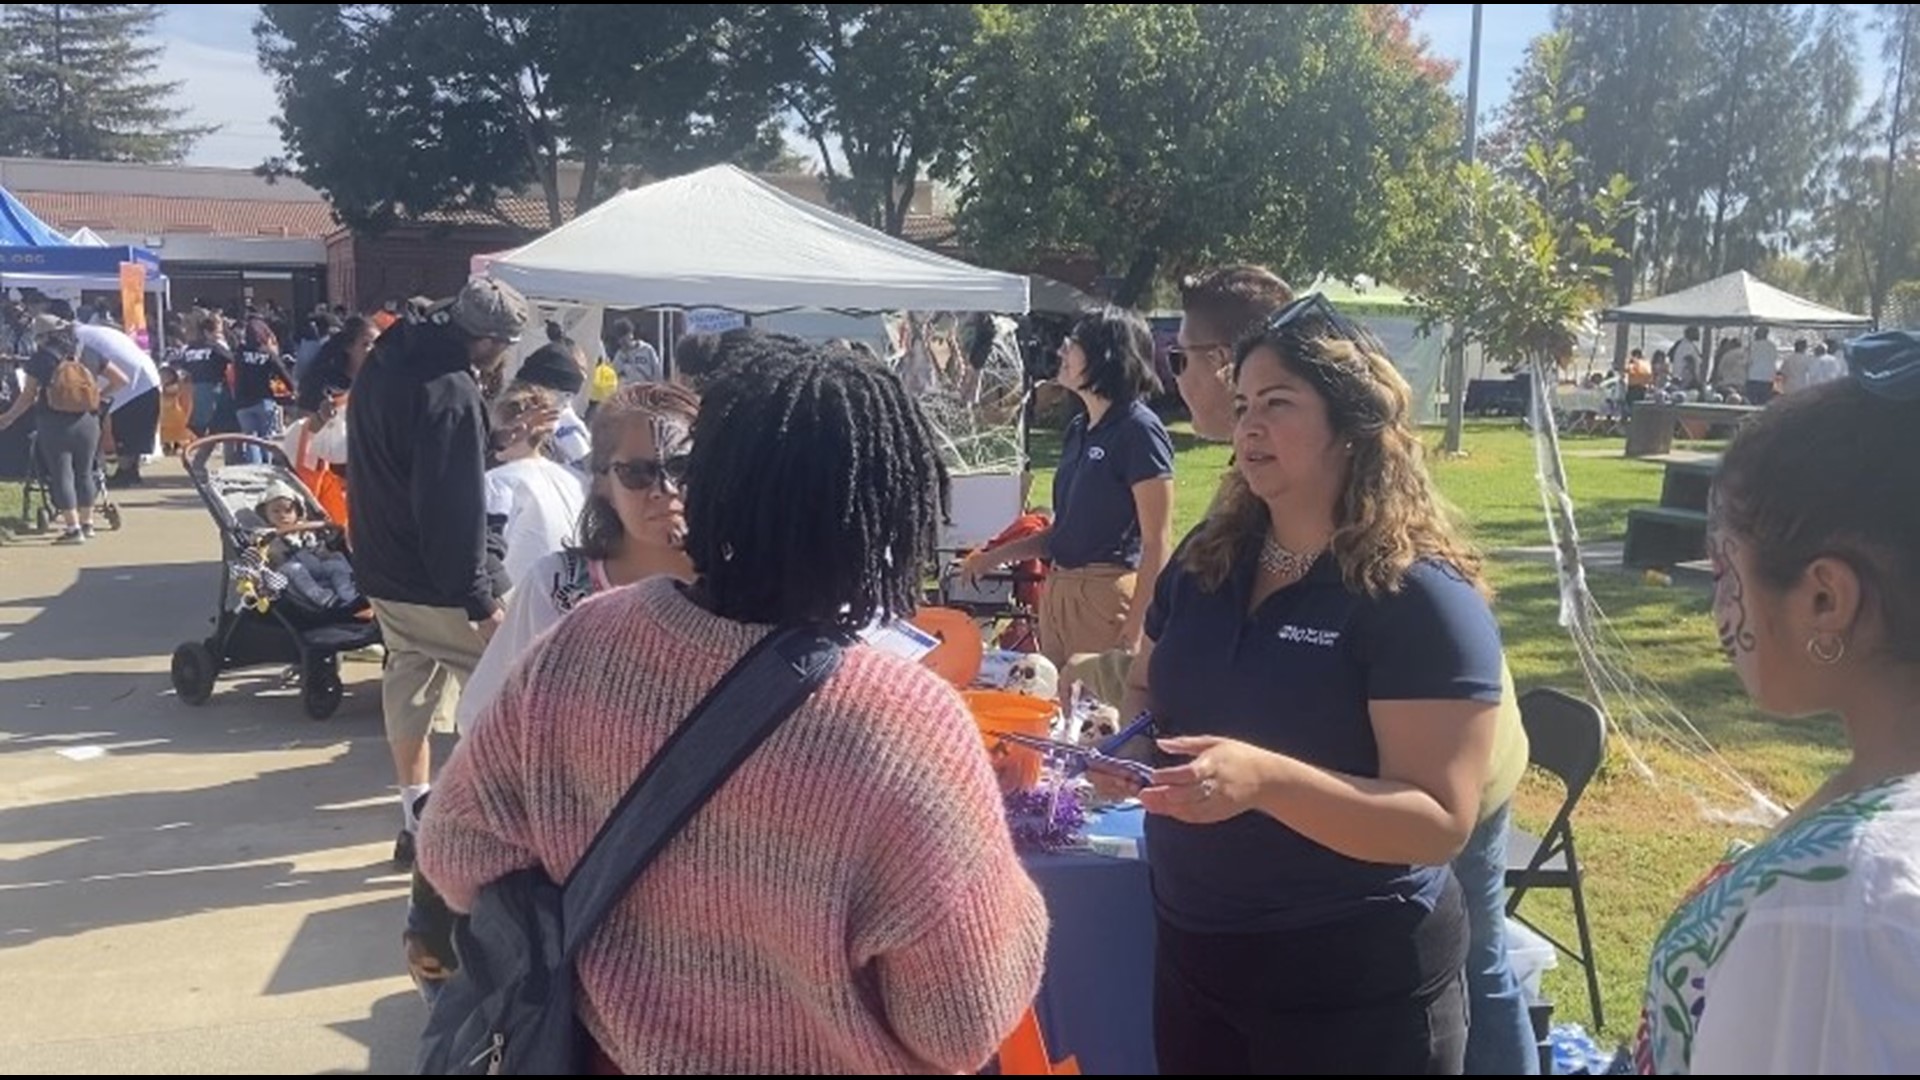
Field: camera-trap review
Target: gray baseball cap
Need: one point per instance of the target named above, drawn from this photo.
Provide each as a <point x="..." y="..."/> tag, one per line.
<point x="487" y="308"/>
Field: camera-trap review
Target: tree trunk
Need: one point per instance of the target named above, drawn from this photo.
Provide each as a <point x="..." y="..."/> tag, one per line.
<point x="900" y="206"/>
<point x="1139" y="277"/>
<point x="1880" y="283"/>
<point x="63" y="120"/>
<point x="588" y="195"/>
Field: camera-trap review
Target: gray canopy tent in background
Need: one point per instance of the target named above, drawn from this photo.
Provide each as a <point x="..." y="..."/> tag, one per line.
<point x="1736" y="299"/>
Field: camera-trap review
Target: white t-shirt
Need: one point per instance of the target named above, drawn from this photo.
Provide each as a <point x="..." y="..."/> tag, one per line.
<point x="1763" y="359"/>
<point x="1796" y="372"/>
<point x="554" y="585"/>
<point x="541" y="501"/>
<point x="1828" y="368"/>
<point x="120" y="352"/>
<point x="1685" y="361"/>
<point x="1731" y="368"/>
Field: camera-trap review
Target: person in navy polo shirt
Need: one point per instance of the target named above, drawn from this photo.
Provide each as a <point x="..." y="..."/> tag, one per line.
<point x="1112" y="496"/>
<point x="1324" y="671"/>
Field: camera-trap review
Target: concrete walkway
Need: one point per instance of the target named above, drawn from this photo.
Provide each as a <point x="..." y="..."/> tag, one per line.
<point x="200" y="890"/>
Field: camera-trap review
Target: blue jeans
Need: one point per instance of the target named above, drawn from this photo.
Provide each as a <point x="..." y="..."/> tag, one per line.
<point x="1499" y="1034"/>
<point x="262" y="421"/>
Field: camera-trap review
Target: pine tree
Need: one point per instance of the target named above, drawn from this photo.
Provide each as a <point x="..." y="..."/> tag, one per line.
<point x="79" y="84"/>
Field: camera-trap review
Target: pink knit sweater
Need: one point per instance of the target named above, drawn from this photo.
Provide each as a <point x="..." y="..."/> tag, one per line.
<point x="849" y="902"/>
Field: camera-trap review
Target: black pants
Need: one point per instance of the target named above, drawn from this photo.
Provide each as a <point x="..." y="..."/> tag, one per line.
<point x="67" y="444"/>
<point x="135" y="424"/>
<point x="1382" y="993"/>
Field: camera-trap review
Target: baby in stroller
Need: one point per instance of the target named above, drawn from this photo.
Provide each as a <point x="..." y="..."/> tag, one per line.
<point x="297" y="549"/>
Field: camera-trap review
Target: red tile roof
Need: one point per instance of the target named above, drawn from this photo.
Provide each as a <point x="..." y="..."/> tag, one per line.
<point x="155" y="215"/>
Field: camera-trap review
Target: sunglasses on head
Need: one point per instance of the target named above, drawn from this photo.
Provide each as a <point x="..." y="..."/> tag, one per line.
<point x="1315" y="316"/>
<point x="642" y="474"/>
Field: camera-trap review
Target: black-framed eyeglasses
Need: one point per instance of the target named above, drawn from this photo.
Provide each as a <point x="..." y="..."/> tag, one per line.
<point x="644" y="474"/>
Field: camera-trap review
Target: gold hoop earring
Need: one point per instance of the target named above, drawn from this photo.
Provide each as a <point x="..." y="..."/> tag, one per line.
<point x="1827" y="649"/>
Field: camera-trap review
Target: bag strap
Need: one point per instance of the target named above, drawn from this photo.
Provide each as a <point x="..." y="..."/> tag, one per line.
<point x="763" y="689"/>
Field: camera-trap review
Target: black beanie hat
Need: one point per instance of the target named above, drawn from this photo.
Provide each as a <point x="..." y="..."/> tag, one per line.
<point x="552" y="367"/>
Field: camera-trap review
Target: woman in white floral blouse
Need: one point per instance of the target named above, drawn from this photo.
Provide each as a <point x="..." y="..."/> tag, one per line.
<point x="1802" y="953"/>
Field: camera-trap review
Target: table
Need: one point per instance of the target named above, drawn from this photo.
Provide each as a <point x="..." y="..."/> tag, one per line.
<point x="1096" y="1001"/>
<point x="1650" y="430"/>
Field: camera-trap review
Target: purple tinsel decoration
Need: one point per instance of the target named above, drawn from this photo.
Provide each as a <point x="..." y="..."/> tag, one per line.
<point x="1045" y="819"/>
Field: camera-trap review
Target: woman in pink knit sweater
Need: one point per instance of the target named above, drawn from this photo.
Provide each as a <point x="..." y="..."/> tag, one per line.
<point x="850" y="901"/>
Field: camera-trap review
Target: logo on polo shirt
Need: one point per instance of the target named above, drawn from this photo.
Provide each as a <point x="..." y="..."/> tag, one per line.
<point x="1096" y="453"/>
<point x="1307" y="635"/>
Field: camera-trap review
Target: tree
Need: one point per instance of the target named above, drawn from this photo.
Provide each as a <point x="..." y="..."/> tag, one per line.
<point x="880" y="99"/>
<point x="401" y="110"/>
<point x="79" y="85"/>
<point x="1899" y="27"/>
<point x="1161" y="136"/>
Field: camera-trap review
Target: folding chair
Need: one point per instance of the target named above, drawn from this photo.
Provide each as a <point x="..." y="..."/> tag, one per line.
<point x="1567" y="738"/>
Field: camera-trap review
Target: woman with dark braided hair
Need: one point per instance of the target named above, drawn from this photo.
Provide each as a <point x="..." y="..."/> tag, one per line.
<point x="849" y="901"/>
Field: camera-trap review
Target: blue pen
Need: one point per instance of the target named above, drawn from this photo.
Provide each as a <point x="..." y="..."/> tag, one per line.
<point x="1133" y="731"/>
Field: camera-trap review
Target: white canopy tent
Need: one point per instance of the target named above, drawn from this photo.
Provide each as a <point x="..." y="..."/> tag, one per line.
<point x="722" y="238"/>
<point x="1736" y="299"/>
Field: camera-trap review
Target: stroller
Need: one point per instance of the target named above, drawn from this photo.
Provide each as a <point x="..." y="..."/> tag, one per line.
<point x="36" y="496"/>
<point x="260" y="620"/>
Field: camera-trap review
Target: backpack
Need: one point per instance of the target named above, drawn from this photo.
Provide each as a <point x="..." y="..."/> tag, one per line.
<point x="71" y="389"/>
<point x="509" y="1007"/>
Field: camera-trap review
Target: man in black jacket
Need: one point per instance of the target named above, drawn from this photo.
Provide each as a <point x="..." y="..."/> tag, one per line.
<point x="417" y="442"/>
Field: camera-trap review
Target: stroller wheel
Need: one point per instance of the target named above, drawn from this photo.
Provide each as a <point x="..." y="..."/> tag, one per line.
<point x="112" y="514"/>
<point x="320" y="690"/>
<point x="194" y="669"/>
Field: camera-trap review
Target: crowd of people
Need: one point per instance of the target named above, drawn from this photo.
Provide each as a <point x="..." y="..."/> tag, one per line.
<point x="1335" y="744"/>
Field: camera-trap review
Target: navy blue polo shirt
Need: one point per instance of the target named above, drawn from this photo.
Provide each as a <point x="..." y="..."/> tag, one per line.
<point x="1095" y="520"/>
<point x="1295" y="677"/>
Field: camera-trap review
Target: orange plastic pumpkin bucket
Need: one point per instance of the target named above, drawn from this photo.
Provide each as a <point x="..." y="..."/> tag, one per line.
<point x="1017" y="714"/>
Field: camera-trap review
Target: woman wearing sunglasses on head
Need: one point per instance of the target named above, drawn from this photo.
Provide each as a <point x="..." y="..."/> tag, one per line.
<point x="632" y="527"/>
<point x="1322" y="663"/>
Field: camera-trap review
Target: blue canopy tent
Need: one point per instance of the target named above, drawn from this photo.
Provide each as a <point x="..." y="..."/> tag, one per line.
<point x="33" y="255"/>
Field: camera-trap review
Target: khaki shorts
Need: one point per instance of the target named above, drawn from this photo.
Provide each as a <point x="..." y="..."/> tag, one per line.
<point x="1083" y="610"/>
<point x="431" y="651"/>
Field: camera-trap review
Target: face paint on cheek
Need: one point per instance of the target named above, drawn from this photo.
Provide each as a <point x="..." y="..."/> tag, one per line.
<point x="1730" y="600"/>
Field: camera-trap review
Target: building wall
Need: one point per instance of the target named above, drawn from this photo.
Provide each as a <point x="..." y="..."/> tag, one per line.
<point x="365" y="272"/>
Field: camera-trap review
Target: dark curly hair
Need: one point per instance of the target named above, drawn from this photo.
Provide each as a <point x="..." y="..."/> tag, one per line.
<point x="1833" y="472"/>
<point x="815" y="493"/>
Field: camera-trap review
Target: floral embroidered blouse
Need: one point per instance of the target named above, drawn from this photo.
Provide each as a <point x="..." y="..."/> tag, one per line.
<point x="1800" y="954"/>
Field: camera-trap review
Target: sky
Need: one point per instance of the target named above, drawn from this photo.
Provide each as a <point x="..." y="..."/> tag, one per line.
<point x="209" y="49"/>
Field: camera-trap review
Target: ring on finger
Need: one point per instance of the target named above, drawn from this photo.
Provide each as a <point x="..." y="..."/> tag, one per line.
<point x="1207" y="788"/>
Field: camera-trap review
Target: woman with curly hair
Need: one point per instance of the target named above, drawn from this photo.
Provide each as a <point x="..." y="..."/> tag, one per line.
<point x="1322" y="663"/>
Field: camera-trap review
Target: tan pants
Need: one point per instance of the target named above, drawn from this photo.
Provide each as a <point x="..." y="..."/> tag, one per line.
<point x="1083" y="611"/>
<point x="431" y="651"/>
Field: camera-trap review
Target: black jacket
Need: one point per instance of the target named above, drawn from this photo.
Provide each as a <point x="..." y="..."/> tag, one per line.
<point x="416" y="467"/>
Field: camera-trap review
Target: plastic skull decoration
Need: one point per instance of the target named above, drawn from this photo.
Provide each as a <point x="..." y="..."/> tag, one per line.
<point x="1035" y="676"/>
<point x="1101" y="723"/>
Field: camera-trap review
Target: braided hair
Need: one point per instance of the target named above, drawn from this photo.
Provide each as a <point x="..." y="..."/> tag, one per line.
<point x="815" y="492"/>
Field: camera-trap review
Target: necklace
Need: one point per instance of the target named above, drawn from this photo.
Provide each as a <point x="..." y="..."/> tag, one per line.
<point x="1275" y="559"/>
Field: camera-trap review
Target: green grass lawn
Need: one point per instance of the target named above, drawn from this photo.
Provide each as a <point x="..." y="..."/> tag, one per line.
<point x="1643" y="843"/>
<point x="10" y="507"/>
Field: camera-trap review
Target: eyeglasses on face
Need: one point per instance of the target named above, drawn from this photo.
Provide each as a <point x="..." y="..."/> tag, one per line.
<point x="644" y="474"/>
<point x="1180" y="355"/>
